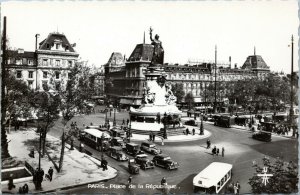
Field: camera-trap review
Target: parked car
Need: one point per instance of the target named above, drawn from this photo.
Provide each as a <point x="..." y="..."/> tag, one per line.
<point x="117" y="153"/>
<point x="262" y="136"/>
<point x="133" y="168"/>
<point x="132" y="149"/>
<point x="224" y="121"/>
<point x="144" y="162"/>
<point x="191" y="123"/>
<point x="165" y="161"/>
<point x="151" y="148"/>
<point x="117" y="141"/>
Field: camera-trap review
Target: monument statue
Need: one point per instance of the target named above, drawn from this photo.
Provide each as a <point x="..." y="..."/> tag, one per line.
<point x="158" y="52"/>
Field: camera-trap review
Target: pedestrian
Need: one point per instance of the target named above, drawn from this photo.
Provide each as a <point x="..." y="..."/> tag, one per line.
<point x="214" y="150"/>
<point x="104" y="164"/>
<point x="193" y="131"/>
<point x="123" y="123"/>
<point x="150" y="136"/>
<point x="20" y="190"/>
<point x="235" y="189"/>
<point x="127" y="121"/>
<point x="50" y="173"/>
<point x="218" y="151"/>
<point x="11" y="182"/>
<point x="223" y="151"/>
<point x="25" y="188"/>
<point x="208" y="144"/>
<point x="81" y="147"/>
<point x="129" y="180"/>
<point x="153" y="137"/>
<point x="238" y="187"/>
<point x="187" y="131"/>
<point x="163" y="181"/>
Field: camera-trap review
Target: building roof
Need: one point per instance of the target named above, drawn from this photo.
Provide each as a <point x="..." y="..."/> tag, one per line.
<point x="116" y="59"/>
<point x="47" y="43"/>
<point x="142" y="52"/>
<point x="20" y="53"/>
<point x="255" y="62"/>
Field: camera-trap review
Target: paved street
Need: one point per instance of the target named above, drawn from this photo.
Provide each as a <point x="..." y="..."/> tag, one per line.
<point x="240" y="150"/>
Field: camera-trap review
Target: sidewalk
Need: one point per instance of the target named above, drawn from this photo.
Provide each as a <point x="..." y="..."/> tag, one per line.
<point x="176" y="138"/>
<point x="78" y="168"/>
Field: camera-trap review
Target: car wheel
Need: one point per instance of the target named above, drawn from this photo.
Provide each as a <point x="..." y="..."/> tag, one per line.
<point x="168" y="168"/>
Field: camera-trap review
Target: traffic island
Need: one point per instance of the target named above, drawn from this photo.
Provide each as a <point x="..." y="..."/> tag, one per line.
<point x="78" y="168"/>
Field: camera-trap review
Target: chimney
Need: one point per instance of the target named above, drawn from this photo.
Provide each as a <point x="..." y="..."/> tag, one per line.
<point x="20" y="50"/>
<point x="230" y="62"/>
<point x="235" y="65"/>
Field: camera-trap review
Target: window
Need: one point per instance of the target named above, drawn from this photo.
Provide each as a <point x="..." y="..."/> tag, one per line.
<point x="57" y="45"/>
<point x="30" y="62"/>
<point x="48" y="46"/>
<point x="45" y="62"/>
<point x="45" y="74"/>
<point x="45" y="85"/>
<point x="57" y="62"/>
<point x="57" y="85"/>
<point x="24" y="61"/>
<point x="18" y="62"/>
<point x="57" y="75"/>
<point x="30" y="74"/>
<point x="19" y="74"/>
<point x="30" y="84"/>
<point x="70" y="63"/>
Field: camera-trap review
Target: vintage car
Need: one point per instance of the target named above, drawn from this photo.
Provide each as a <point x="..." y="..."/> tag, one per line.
<point x="132" y="149"/>
<point x="117" y="153"/>
<point x="262" y="136"/>
<point x="144" y="162"/>
<point x="151" y="148"/>
<point x="116" y="132"/>
<point x="117" y="141"/>
<point x="224" y="121"/>
<point x="133" y="168"/>
<point x="165" y="161"/>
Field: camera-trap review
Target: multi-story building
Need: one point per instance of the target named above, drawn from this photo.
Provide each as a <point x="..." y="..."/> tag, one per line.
<point x="47" y="66"/>
<point x="127" y="79"/>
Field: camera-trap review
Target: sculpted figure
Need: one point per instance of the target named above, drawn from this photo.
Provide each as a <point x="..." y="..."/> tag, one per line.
<point x="158" y="53"/>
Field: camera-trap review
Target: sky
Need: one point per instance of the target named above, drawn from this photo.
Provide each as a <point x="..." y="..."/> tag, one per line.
<point x="189" y="30"/>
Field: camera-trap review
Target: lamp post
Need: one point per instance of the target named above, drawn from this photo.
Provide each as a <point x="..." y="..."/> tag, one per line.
<point x="105" y="123"/>
<point x="102" y="140"/>
<point x="129" y="131"/>
<point x="292" y="98"/>
<point x="201" y="126"/>
<point x="114" y="123"/>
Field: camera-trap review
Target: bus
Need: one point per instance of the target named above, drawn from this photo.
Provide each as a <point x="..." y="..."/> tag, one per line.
<point x="92" y="137"/>
<point x="213" y="178"/>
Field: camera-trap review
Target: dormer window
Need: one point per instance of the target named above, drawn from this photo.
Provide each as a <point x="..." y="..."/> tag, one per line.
<point x="57" y="45"/>
<point x="48" y="46"/>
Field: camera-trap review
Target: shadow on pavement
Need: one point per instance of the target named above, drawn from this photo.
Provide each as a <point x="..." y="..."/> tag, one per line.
<point x="286" y="149"/>
<point x="185" y="185"/>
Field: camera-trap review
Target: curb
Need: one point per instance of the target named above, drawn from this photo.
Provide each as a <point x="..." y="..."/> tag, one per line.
<point x="181" y="140"/>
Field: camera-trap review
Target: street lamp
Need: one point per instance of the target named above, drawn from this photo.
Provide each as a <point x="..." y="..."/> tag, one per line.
<point x="102" y="140"/>
<point x="292" y="98"/>
<point x="105" y="123"/>
<point x="114" y="123"/>
<point x="129" y="131"/>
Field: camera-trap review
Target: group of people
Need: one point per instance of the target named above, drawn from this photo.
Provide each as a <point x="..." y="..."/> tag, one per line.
<point x="234" y="188"/>
<point x="187" y="131"/>
<point x="38" y="177"/>
<point x="215" y="150"/>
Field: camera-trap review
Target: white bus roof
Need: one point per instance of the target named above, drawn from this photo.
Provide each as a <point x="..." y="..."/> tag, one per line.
<point x="96" y="133"/>
<point x="212" y="174"/>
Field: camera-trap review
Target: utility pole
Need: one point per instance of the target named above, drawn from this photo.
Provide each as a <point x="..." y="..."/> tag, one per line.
<point x="215" y="104"/>
<point x="292" y="98"/>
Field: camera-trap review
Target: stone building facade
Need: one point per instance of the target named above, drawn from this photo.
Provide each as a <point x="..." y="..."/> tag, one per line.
<point x="128" y="80"/>
<point x="47" y="66"/>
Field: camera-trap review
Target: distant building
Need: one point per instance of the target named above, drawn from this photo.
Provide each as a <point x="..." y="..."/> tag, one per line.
<point x="47" y="66"/>
<point x="126" y="80"/>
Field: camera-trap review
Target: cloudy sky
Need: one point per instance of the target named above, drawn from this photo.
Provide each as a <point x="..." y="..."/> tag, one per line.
<point x="188" y="30"/>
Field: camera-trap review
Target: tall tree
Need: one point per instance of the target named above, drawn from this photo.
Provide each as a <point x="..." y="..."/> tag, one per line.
<point x="178" y="91"/>
<point x="189" y="99"/>
<point x="284" y="177"/>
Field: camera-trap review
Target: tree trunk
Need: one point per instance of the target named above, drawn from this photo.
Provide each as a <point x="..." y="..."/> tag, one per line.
<point x="4" y="143"/>
<point x="62" y="152"/>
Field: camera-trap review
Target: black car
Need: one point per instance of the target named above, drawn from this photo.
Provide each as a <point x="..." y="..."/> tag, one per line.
<point x="133" y="168"/>
<point x="165" y="161"/>
<point x="144" y="162"/>
<point x="151" y="148"/>
<point x="117" y="141"/>
<point x="262" y="136"/>
<point x="132" y="149"/>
